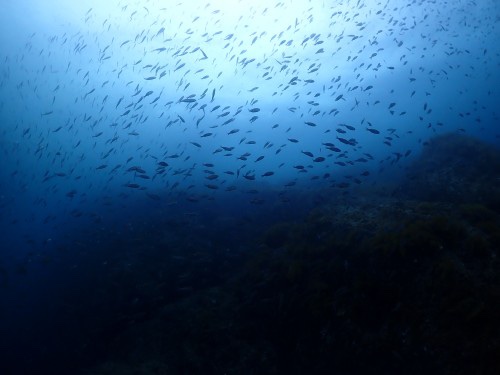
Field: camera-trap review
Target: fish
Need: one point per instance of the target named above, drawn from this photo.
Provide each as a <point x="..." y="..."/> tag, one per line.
<point x="180" y="67"/>
<point x="160" y="49"/>
<point x="373" y="131"/>
<point x="351" y="142"/>
<point x="328" y="81"/>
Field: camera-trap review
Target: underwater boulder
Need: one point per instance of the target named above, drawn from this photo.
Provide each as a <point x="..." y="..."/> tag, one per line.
<point x="455" y="168"/>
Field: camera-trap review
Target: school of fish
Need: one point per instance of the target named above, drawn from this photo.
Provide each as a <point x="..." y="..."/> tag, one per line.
<point x="161" y="98"/>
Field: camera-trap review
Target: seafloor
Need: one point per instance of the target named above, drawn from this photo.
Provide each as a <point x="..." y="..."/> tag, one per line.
<point x="406" y="282"/>
<point x="403" y="280"/>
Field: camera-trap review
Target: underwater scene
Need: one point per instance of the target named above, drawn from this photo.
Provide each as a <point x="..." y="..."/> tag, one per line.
<point x="249" y="187"/>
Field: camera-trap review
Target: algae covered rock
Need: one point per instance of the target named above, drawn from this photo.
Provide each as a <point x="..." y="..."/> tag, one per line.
<point x="455" y="168"/>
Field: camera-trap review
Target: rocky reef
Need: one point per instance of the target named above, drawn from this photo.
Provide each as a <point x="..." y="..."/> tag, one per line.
<point x="405" y="284"/>
<point x="455" y="168"/>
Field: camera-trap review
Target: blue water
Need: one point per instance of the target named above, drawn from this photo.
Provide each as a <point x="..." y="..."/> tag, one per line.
<point x="118" y="117"/>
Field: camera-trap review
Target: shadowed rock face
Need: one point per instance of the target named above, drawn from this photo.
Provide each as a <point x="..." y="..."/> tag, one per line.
<point x="455" y="168"/>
